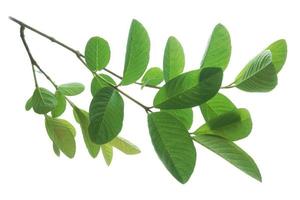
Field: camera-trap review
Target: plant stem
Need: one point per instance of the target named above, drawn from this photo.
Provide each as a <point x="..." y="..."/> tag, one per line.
<point x="231" y="85"/>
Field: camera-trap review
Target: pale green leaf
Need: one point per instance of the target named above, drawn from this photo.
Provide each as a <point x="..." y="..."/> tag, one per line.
<point x="28" y="104"/>
<point x="56" y="149"/>
<point x="107" y="152"/>
<point x="60" y="106"/>
<point x="98" y="83"/>
<point x="279" y="53"/>
<point x="125" y="146"/>
<point x="70" y="89"/>
<point x="43" y="101"/>
<point x="153" y="77"/>
<point x="185" y="116"/>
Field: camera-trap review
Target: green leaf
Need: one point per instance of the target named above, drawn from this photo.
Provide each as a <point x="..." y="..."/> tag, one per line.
<point x="173" y="144"/>
<point x="60" y="106"/>
<point x="98" y="83"/>
<point x="185" y="116"/>
<point x="106" y="115"/>
<point x="173" y="59"/>
<point x="259" y="75"/>
<point x="71" y="89"/>
<point x="56" y="149"/>
<point x="97" y="53"/>
<point x="107" y="152"/>
<point x="28" y="104"/>
<point x="43" y="101"/>
<point x="230" y="152"/>
<point x="125" y="146"/>
<point x="189" y="89"/>
<point x="137" y="53"/>
<point x="62" y="133"/>
<point x="232" y="125"/>
<point x="279" y="53"/>
<point x="82" y="118"/>
<point x="153" y="77"/>
<point x="216" y="106"/>
<point x="219" y="49"/>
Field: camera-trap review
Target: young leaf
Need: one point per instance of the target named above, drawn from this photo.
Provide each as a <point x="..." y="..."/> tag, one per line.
<point x="185" y="116"/>
<point x="279" y="53"/>
<point x="137" y="53"/>
<point x="232" y="125"/>
<point x="62" y="133"/>
<point x="230" y="152"/>
<point x="173" y="59"/>
<point x="189" y="89"/>
<point x="173" y="144"/>
<point x="70" y="89"/>
<point x="82" y="118"/>
<point x="98" y="83"/>
<point x="259" y="75"/>
<point x="28" y="104"/>
<point x="219" y="49"/>
<point x="153" y="77"/>
<point x="56" y="149"/>
<point x="106" y="115"/>
<point x="43" y="101"/>
<point x="60" y="106"/>
<point x="97" y="53"/>
<point x="216" y="106"/>
<point x="107" y="152"/>
<point x="125" y="146"/>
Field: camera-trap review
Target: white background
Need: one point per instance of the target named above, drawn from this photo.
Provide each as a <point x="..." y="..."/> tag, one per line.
<point x="30" y="170"/>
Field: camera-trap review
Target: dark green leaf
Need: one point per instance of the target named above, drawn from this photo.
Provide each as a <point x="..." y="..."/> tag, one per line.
<point x="106" y="115"/>
<point x="97" y="53"/>
<point x="279" y="53"/>
<point x="173" y="59"/>
<point x="189" y="89"/>
<point x="153" y="77"/>
<point x="28" y="104"/>
<point x="82" y="117"/>
<point x="60" y="106"/>
<point x="230" y="152"/>
<point x="137" y="53"/>
<point x="185" y="116"/>
<point x="56" y="149"/>
<point x="43" y="101"/>
<point x="173" y="144"/>
<point x="125" y="146"/>
<point x="219" y="49"/>
<point x="98" y="83"/>
<point x="107" y="152"/>
<point x="71" y="89"/>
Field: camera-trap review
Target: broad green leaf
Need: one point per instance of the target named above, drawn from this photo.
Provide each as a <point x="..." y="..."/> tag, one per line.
<point x="82" y="118"/>
<point x="107" y="152"/>
<point x="97" y="53"/>
<point x="173" y="144"/>
<point x="28" y="104"/>
<point x="62" y="133"/>
<point x="219" y="49"/>
<point x="174" y="60"/>
<point x="98" y="83"/>
<point x="185" y="116"/>
<point x="232" y="125"/>
<point x="60" y="106"/>
<point x="279" y="53"/>
<point x="70" y="89"/>
<point x="106" y="115"/>
<point x="125" y="146"/>
<point x="43" y="101"/>
<point x="216" y="106"/>
<point x="56" y="149"/>
<point x="230" y="152"/>
<point x="153" y="77"/>
<point x="189" y="89"/>
<point x="137" y="53"/>
<point x="259" y="75"/>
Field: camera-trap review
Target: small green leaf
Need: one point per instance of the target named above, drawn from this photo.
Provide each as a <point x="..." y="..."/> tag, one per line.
<point x="60" y="106"/>
<point x="173" y="144"/>
<point x="216" y="106"/>
<point x="43" y="101"/>
<point x="185" y="116"/>
<point x="98" y="83"/>
<point x="97" y="53"/>
<point x="279" y="53"/>
<point x="259" y="75"/>
<point x="153" y="77"/>
<point x="107" y="152"/>
<point x="232" y="125"/>
<point x="137" y="53"/>
<point x="230" y="152"/>
<point x="28" y="104"/>
<point x="71" y="89"/>
<point x="56" y="149"/>
<point x="189" y="89"/>
<point x="125" y="146"/>
<point x="82" y="118"/>
<point x="106" y="115"/>
<point x="219" y="49"/>
<point x="173" y="59"/>
<point x="62" y="133"/>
